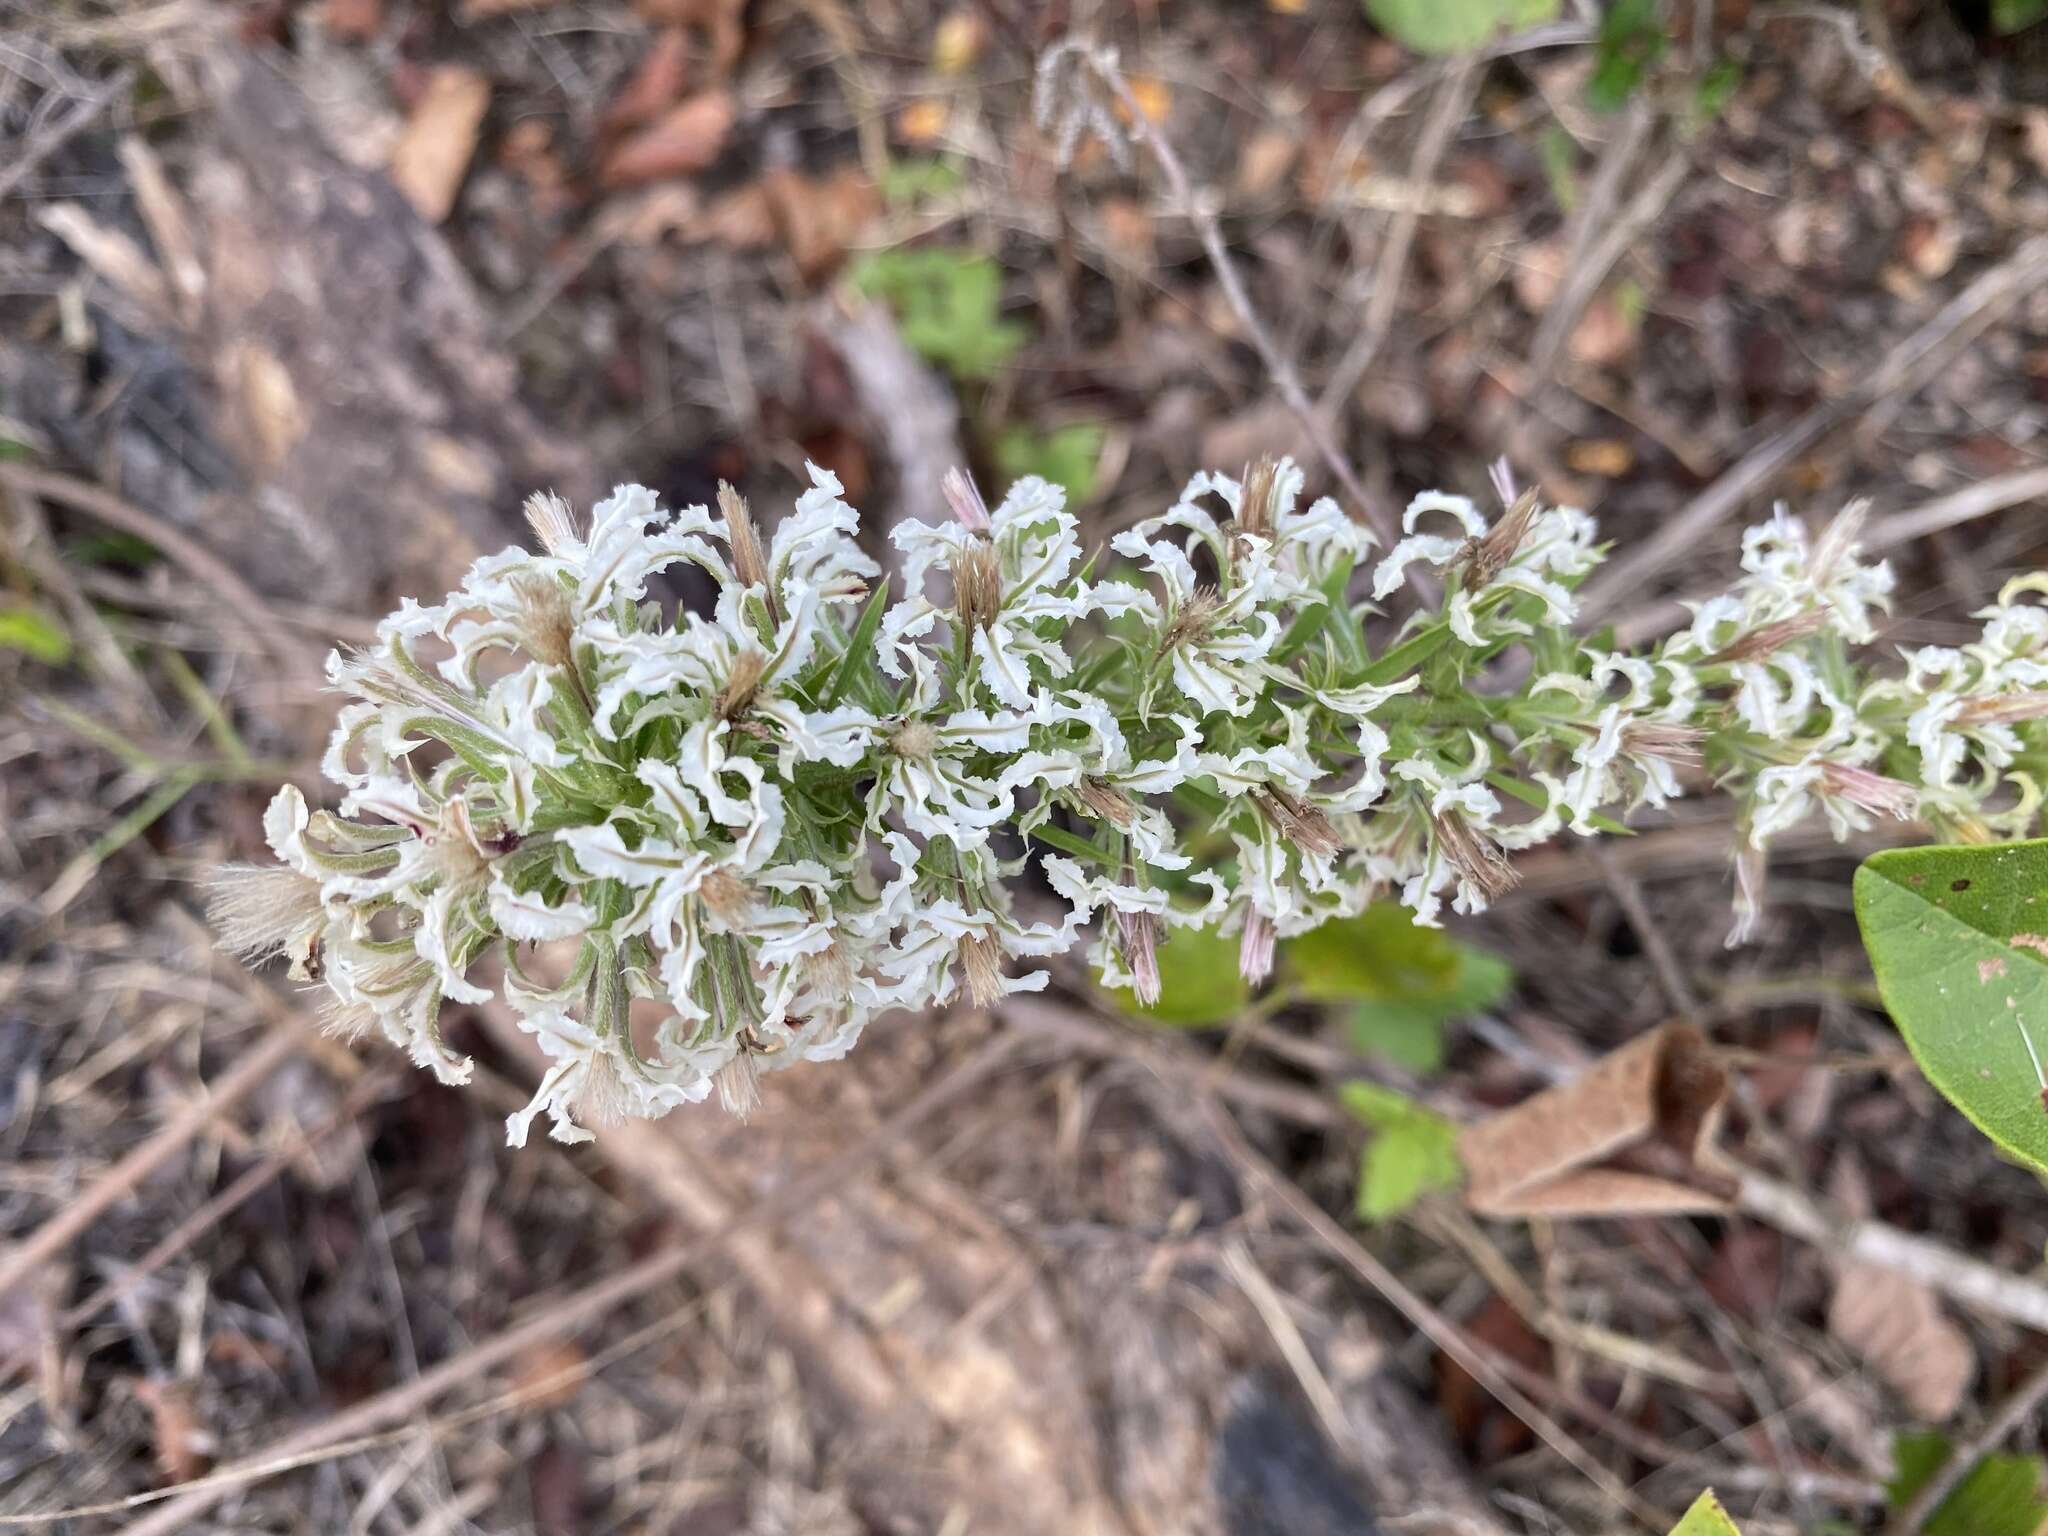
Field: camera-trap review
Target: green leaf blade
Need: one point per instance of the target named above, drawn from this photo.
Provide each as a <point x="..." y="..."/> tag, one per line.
<point x="1706" y="1518"/>
<point x="1958" y="938"/>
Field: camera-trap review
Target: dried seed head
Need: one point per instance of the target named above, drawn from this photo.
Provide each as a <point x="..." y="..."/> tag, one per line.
<point x="2004" y="709"/>
<point x="1255" y="509"/>
<point x="602" y="1098"/>
<point x="915" y="740"/>
<point x="726" y="895"/>
<point x="1297" y="821"/>
<point x="1255" y="948"/>
<point x="964" y="497"/>
<point x="978" y="584"/>
<point x="737" y="697"/>
<point x="546" y="627"/>
<point x="1488" y="555"/>
<point x="262" y="911"/>
<point x="1874" y="792"/>
<point x="1106" y="801"/>
<point x="1138" y="938"/>
<point x="830" y="970"/>
<point x="1769" y="638"/>
<point x="344" y="1020"/>
<point x="742" y="537"/>
<point x="981" y="961"/>
<point x="1678" y="745"/>
<point x="1196" y="615"/>
<point x="1751" y="877"/>
<point x="1839" y="541"/>
<point x="553" y="522"/>
<point x="1475" y="856"/>
<point x="739" y="1084"/>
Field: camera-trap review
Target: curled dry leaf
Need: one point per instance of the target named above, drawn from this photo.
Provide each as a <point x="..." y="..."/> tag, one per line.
<point x="651" y="88"/>
<point x="1896" y="1325"/>
<point x="1632" y="1135"/>
<point x="682" y="141"/>
<point x="184" y="1445"/>
<point x="432" y="154"/>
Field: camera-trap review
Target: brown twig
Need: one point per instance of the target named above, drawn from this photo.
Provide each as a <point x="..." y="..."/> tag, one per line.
<point x="1908" y="366"/>
<point x="268" y="1054"/>
<point x="567" y="1314"/>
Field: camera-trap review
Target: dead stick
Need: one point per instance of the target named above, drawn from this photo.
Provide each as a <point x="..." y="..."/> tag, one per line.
<point x="276" y="1048"/>
<point x="1902" y="372"/>
<point x="1957" y="1276"/>
<point x="568" y="1314"/>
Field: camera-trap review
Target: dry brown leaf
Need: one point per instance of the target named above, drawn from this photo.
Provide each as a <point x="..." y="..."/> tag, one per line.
<point x="743" y="218"/>
<point x="1264" y="162"/>
<point x="1605" y="333"/>
<point x="1538" y="274"/>
<point x="2034" y="128"/>
<point x="719" y="20"/>
<point x="682" y="141"/>
<point x="957" y="42"/>
<point x="1608" y="457"/>
<point x="432" y="154"/>
<point x="110" y="253"/>
<point x="551" y="1375"/>
<point x="653" y="87"/>
<point x="819" y="218"/>
<point x="355" y="21"/>
<point x="1897" y="1326"/>
<point x="184" y="1445"/>
<point x="921" y="123"/>
<point x="1127" y="230"/>
<point x="1631" y="1135"/>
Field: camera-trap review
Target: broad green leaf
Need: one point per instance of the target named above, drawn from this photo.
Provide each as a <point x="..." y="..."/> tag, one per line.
<point x="1067" y="456"/>
<point x="1407" y="982"/>
<point x="1453" y="26"/>
<point x="1413" y="1152"/>
<point x="33" y="633"/>
<point x="1958" y="938"/>
<point x="1706" y="1518"/>
<point x="1199" y="985"/>
<point x="2010" y="16"/>
<point x="916" y="181"/>
<point x="947" y="302"/>
<point x="2000" y="1497"/>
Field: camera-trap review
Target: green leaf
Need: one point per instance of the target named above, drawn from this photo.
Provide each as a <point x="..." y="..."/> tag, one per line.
<point x="920" y="180"/>
<point x="1407" y="982"/>
<point x="860" y="645"/>
<point x="1067" y="456"/>
<point x="947" y="302"/>
<point x="1199" y="984"/>
<point x="1454" y="26"/>
<point x="1630" y="43"/>
<point x="1958" y="938"/>
<point x="2000" y="1497"/>
<point x="34" y="633"/>
<point x="2010" y="16"/>
<point x="1706" y="1518"/>
<point x="1413" y="1152"/>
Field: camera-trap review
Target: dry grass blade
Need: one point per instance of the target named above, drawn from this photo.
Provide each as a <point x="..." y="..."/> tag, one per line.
<point x="268" y="1054"/>
<point x="238" y="598"/>
<point x="394" y="1406"/>
<point x="1902" y="372"/>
